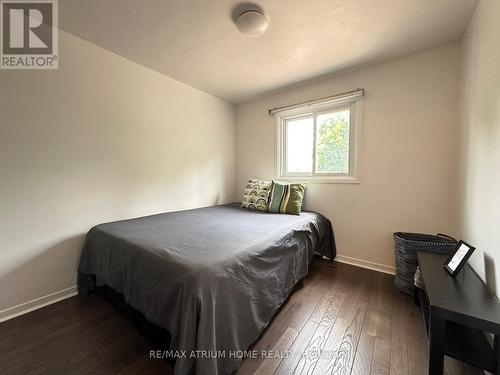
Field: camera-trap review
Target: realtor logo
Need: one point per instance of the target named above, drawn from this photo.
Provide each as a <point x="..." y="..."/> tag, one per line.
<point x="29" y="37"/>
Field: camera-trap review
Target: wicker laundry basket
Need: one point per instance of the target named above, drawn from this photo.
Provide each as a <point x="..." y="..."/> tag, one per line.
<point x="406" y="247"/>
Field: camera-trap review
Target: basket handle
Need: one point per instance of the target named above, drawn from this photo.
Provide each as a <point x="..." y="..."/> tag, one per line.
<point x="446" y="236"/>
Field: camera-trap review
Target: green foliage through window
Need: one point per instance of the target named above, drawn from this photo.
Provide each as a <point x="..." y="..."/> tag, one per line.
<point x="332" y="152"/>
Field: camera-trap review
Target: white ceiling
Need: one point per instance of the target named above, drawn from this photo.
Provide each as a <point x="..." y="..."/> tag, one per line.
<point x="196" y="41"/>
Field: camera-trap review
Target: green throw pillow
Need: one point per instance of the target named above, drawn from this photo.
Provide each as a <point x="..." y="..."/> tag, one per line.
<point x="286" y="198"/>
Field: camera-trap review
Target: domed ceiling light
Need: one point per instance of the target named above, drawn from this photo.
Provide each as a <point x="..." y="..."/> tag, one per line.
<point x="252" y="23"/>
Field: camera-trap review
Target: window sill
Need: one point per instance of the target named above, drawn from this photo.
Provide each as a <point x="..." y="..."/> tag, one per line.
<point x="321" y="180"/>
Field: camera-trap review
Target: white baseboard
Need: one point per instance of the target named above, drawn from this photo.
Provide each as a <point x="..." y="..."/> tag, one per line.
<point x="365" y="264"/>
<point x="49" y="299"/>
<point x="37" y="303"/>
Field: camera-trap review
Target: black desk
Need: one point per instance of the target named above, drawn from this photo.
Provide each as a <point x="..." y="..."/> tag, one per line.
<point x="457" y="312"/>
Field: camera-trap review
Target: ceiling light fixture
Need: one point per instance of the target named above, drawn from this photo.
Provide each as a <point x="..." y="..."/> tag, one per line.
<point x="252" y="23"/>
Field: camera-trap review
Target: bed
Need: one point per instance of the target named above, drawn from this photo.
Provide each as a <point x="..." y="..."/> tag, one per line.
<point x="213" y="277"/>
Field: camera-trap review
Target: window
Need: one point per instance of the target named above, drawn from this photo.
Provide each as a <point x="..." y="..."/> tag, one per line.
<point x="319" y="142"/>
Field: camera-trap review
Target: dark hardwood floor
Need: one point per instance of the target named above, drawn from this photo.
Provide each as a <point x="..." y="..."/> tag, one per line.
<point x="344" y="320"/>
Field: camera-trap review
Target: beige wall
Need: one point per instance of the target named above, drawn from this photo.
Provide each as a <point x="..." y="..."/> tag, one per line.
<point x="480" y="146"/>
<point x="100" y="139"/>
<point x="84" y="145"/>
<point x="409" y="151"/>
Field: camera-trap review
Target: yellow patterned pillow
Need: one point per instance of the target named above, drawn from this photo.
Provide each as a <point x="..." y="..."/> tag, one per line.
<point x="256" y="195"/>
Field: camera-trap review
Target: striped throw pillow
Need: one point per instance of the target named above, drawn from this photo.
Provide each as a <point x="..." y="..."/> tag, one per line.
<point x="256" y="195"/>
<point x="286" y="198"/>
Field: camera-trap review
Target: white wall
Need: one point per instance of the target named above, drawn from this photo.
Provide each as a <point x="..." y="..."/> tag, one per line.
<point x="409" y="178"/>
<point x="480" y="146"/>
<point x="100" y="139"/>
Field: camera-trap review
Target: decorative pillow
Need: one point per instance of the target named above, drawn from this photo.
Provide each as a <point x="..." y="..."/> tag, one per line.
<point x="256" y="195"/>
<point x="286" y="198"/>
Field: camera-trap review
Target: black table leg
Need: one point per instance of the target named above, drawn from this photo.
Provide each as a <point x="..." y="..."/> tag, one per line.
<point x="436" y="344"/>
<point x="496" y="353"/>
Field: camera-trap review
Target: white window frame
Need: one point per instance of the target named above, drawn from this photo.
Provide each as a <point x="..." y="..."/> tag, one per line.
<point x="313" y="110"/>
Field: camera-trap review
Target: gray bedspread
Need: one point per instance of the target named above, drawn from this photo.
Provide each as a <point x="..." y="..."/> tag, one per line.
<point x="213" y="277"/>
